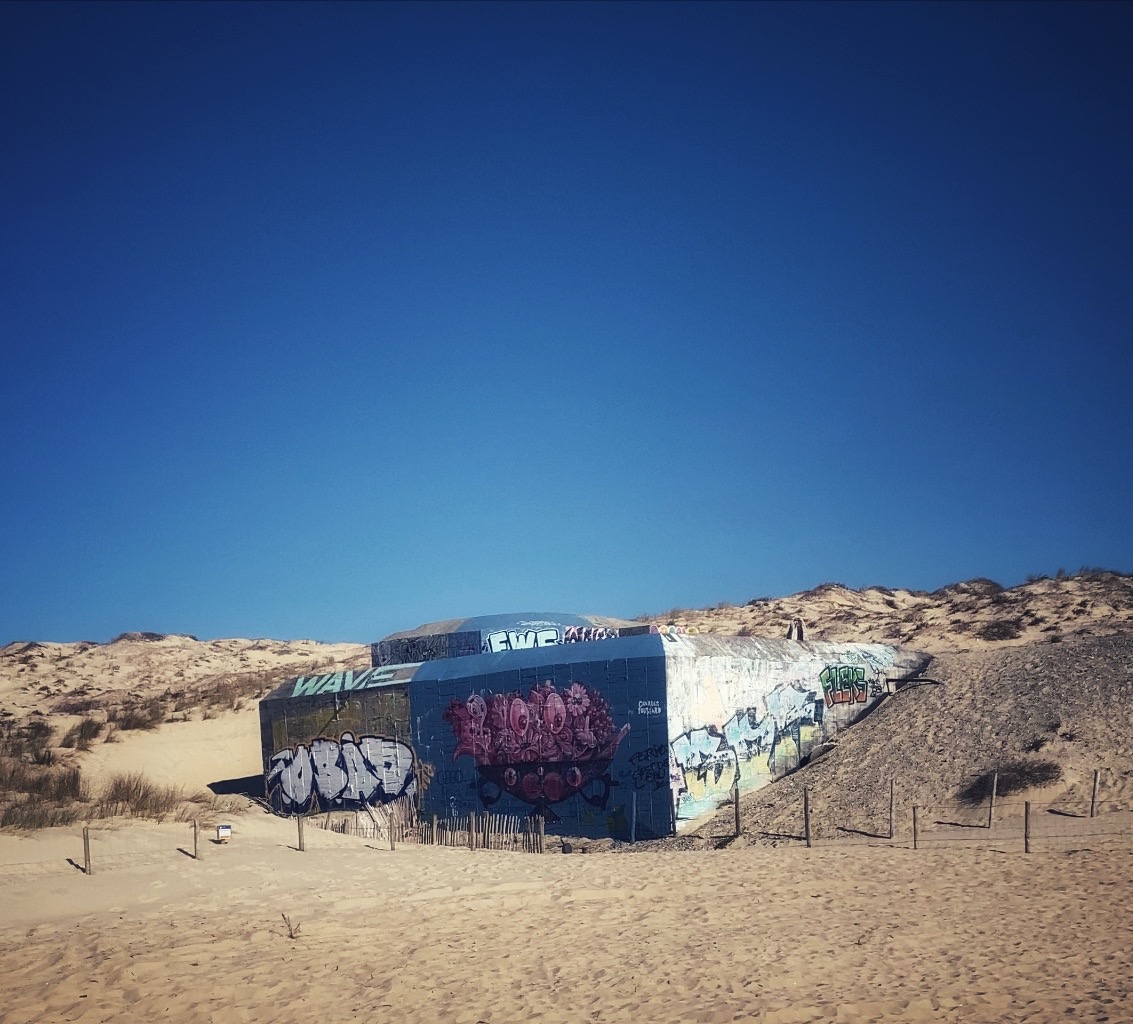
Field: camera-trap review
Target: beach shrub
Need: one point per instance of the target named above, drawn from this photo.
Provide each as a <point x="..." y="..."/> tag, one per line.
<point x="82" y="735"/>
<point x="34" y="812"/>
<point x="1014" y="777"/>
<point x="1000" y="629"/>
<point x="132" y="793"/>
<point x="148" y="715"/>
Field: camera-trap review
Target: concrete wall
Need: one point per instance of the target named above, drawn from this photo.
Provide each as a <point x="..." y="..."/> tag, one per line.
<point x="495" y="634"/>
<point x="573" y="732"/>
<point x="747" y="711"/>
<point x="602" y="737"/>
<point x="338" y="741"/>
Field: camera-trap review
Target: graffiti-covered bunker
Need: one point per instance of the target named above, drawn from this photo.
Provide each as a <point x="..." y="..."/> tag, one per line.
<point x="600" y="726"/>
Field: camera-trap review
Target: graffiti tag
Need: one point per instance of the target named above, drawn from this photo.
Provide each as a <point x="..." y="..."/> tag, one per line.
<point x="843" y="684"/>
<point x="341" y="773"/>
<point x="334" y="682"/>
<point x="520" y="640"/>
<point x="584" y="634"/>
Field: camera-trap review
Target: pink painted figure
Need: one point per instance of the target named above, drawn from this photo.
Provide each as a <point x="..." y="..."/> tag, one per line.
<point x="542" y="748"/>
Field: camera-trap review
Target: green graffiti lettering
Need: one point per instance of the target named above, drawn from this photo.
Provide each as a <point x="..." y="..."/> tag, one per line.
<point x="306" y="686"/>
<point x="843" y="684"/>
<point x="333" y="683"/>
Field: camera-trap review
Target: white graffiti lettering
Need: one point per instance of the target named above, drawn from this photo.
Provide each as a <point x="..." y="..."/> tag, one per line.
<point x="333" y="682"/>
<point x="520" y="640"/>
<point x="340" y="773"/>
<point x="583" y="634"/>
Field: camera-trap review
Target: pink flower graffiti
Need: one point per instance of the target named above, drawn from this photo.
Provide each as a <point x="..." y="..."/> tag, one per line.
<point x="545" y="726"/>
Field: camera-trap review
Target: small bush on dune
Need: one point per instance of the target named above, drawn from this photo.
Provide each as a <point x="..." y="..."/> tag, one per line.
<point x="33" y="812"/>
<point x="139" y="716"/>
<point x="135" y="795"/>
<point x="1014" y="777"/>
<point x="62" y="786"/>
<point x="1001" y="629"/>
<point x="82" y="735"/>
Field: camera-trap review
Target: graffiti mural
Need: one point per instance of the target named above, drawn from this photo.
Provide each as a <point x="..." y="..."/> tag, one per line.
<point x="543" y="748"/>
<point x="843" y="684"/>
<point x="343" y="773"/>
<point x="754" y="746"/>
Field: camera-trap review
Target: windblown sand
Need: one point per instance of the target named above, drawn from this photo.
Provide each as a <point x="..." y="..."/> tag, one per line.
<point x="436" y="934"/>
<point x="839" y="933"/>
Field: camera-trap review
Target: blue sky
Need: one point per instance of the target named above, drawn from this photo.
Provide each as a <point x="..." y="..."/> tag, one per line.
<point x="329" y="320"/>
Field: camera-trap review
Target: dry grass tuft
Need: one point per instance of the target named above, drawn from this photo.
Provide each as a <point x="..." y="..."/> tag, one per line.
<point x="82" y="735"/>
<point x="133" y="794"/>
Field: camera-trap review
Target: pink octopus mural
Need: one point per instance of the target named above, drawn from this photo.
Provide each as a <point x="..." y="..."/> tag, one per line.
<point x="542" y="748"/>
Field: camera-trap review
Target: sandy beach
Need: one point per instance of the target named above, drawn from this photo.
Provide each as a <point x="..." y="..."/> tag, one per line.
<point x="968" y="928"/>
<point x="432" y="934"/>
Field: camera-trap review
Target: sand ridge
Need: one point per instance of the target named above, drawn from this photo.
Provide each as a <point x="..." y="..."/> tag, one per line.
<point x="761" y="929"/>
<point x="974" y="615"/>
<point x="433" y="934"/>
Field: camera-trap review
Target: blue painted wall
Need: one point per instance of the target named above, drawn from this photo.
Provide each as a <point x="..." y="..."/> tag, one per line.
<point x="573" y="733"/>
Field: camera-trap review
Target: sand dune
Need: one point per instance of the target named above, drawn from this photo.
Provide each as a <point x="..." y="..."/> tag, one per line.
<point x="680" y="930"/>
<point x="974" y="615"/>
<point x="434" y="934"/>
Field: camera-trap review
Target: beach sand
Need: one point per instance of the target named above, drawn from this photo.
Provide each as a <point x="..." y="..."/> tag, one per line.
<point x="976" y="931"/>
<point x="424" y="934"/>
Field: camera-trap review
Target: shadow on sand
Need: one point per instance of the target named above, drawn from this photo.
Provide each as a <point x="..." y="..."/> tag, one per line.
<point x="251" y="786"/>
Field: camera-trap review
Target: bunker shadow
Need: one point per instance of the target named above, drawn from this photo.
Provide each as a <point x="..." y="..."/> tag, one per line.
<point x="251" y="786"/>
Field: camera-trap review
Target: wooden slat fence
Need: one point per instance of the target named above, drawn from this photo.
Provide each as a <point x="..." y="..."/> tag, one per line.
<point x="398" y="822"/>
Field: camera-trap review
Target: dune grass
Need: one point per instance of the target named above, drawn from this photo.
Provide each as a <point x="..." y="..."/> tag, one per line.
<point x="133" y="794"/>
<point x="82" y="735"/>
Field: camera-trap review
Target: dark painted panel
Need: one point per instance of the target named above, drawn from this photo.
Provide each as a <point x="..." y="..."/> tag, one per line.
<point x="570" y="740"/>
<point x="337" y="750"/>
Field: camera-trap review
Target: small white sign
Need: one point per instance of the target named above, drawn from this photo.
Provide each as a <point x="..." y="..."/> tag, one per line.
<point x="223" y="833"/>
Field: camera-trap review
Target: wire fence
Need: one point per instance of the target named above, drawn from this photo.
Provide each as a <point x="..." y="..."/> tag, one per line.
<point x="976" y="818"/>
<point x="1096" y="819"/>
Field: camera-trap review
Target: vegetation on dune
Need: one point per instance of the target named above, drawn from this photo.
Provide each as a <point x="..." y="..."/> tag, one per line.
<point x="1013" y="777"/>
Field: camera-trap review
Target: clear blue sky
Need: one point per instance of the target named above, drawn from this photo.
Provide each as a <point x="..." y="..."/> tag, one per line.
<point x="328" y="320"/>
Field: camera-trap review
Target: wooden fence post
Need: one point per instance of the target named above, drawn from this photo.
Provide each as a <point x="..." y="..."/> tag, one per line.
<point x="736" y="807"/>
<point x="434" y="831"/>
<point x="302" y="841"/>
<point x="1026" y="826"/>
<point x="86" y="851"/>
<point x="1094" y="794"/>
<point x="196" y="838"/>
<point x="806" y="814"/>
<point x="916" y="835"/>
<point x="991" y="802"/>
<point x="892" y="806"/>
<point x="542" y="834"/>
<point x="472" y="830"/>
